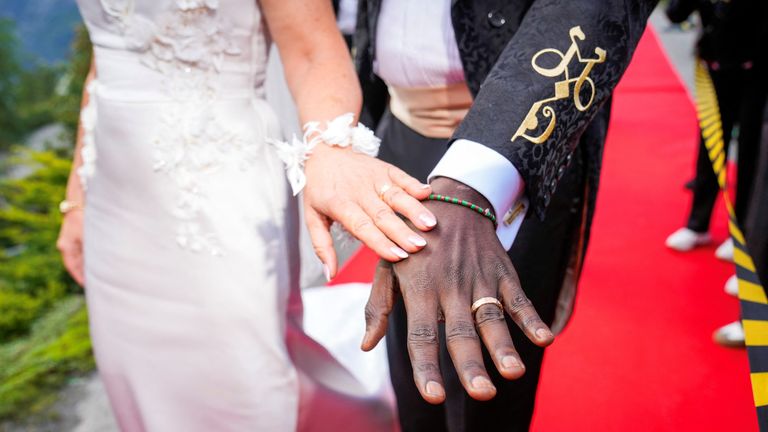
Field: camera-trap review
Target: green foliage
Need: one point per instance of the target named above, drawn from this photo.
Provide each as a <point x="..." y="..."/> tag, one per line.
<point x="35" y="366"/>
<point x="9" y="72"/>
<point x="43" y="324"/>
<point x="38" y="103"/>
<point x="31" y="274"/>
<point x="17" y="312"/>
<point x="39" y="94"/>
<point x="67" y="110"/>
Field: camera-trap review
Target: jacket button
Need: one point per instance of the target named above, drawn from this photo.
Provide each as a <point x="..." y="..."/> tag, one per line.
<point x="496" y="19"/>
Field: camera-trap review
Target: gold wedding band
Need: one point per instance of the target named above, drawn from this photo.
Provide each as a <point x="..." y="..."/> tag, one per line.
<point x="484" y="301"/>
<point x="383" y="190"/>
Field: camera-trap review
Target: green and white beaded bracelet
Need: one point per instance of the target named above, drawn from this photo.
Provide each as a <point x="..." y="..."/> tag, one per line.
<point x="487" y="212"/>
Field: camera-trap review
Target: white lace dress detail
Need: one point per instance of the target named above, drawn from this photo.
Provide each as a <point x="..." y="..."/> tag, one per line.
<point x="187" y="45"/>
<point x="185" y="341"/>
<point x="88" y="118"/>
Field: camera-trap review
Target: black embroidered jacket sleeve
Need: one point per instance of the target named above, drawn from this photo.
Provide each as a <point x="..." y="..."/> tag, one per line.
<point x="679" y="10"/>
<point x="531" y="110"/>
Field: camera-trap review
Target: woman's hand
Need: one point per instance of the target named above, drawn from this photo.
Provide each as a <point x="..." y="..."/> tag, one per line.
<point x="70" y="244"/>
<point x="70" y="241"/>
<point x="363" y="194"/>
<point x="360" y="192"/>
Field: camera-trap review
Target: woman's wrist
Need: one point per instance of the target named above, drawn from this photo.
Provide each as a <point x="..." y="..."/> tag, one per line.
<point x="322" y="138"/>
<point x="68" y="207"/>
<point x="74" y="197"/>
<point x="326" y="151"/>
<point x="74" y="191"/>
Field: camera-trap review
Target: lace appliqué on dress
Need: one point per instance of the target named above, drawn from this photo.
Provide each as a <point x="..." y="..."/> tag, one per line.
<point x="88" y="117"/>
<point x="187" y="46"/>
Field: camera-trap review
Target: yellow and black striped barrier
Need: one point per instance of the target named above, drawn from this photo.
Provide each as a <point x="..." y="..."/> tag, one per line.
<point x="752" y="296"/>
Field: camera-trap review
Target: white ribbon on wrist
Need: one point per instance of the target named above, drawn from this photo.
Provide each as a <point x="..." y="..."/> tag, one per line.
<point x="338" y="132"/>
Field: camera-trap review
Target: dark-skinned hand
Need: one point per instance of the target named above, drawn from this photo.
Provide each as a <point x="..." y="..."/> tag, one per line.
<point x="463" y="262"/>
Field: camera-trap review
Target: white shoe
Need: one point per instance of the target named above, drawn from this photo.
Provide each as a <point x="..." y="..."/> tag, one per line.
<point x="732" y="286"/>
<point x="685" y="239"/>
<point x="730" y="335"/>
<point x="725" y="251"/>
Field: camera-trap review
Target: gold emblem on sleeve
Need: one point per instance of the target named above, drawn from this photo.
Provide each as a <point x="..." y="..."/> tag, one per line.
<point x="562" y="87"/>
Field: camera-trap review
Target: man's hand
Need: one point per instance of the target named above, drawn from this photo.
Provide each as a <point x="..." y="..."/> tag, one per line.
<point x="462" y="263"/>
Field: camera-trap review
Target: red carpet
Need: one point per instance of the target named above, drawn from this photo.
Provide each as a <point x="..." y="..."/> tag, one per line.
<point x="637" y="355"/>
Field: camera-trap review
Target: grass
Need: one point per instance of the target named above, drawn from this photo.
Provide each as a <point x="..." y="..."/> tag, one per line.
<point x="34" y="367"/>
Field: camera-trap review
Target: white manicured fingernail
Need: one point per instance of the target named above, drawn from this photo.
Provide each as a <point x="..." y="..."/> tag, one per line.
<point x="425" y="186"/>
<point x="428" y="219"/>
<point x="327" y="272"/>
<point x="399" y="252"/>
<point x="417" y="241"/>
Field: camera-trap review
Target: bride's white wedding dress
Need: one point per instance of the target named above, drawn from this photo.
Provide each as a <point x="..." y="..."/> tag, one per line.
<point x="191" y="247"/>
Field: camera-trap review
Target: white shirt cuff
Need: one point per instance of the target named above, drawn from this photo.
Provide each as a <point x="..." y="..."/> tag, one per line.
<point x="493" y="176"/>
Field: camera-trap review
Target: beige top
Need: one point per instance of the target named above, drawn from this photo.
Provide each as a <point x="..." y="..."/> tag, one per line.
<point x="434" y="112"/>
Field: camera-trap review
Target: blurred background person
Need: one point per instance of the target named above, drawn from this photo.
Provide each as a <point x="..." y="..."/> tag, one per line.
<point x="757" y="218"/>
<point x="733" y="50"/>
<point x="757" y="239"/>
<point x="733" y="47"/>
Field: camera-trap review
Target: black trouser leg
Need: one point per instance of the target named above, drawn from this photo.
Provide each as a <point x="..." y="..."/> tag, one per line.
<point x="705" y="189"/>
<point x="757" y="226"/>
<point x="540" y="254"/>
<point x="753" y="92"/>
<point x="705" y="186"/>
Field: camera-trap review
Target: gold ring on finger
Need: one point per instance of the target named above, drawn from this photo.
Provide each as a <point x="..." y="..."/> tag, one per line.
<point x="484" y="301"/>
<point x="384" y="188"/>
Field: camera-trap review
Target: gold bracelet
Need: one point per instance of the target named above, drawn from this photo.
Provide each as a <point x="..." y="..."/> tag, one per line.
<point x="67" y="206"/>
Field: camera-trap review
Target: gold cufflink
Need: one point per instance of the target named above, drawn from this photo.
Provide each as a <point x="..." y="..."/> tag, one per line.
<point x="513" y="213"/>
